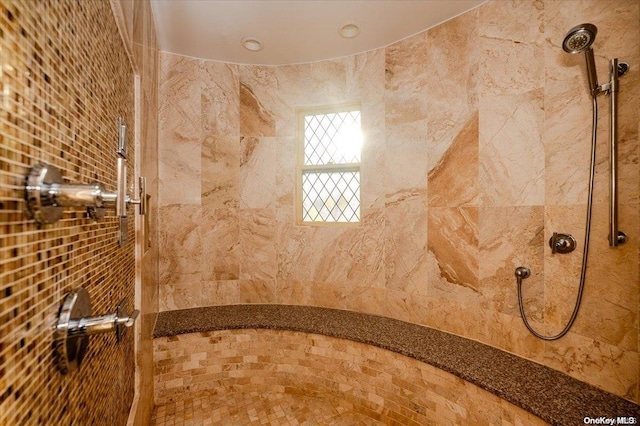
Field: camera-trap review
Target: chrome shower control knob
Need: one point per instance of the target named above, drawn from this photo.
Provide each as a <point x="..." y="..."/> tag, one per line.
<point x="75" y="324"/>
<point x="562" y="243"/>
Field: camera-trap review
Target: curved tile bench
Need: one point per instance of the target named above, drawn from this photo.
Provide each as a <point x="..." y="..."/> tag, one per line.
<point x="548" y="394"/>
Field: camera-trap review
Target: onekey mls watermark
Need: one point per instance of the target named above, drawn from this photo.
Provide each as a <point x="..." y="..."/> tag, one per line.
<point x="620" y="420"/>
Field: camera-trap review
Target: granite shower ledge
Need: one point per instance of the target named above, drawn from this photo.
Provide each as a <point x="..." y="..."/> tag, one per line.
<point x="549" y="394"/>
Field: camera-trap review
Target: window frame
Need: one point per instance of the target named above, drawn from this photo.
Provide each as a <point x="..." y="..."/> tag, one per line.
<point x="301" y="168"/>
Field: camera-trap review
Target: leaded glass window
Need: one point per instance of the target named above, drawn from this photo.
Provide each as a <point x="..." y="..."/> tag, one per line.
<point x="329" y="164"/>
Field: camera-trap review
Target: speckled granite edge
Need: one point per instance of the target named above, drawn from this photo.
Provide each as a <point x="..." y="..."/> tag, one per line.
<point x="549" y="394"/>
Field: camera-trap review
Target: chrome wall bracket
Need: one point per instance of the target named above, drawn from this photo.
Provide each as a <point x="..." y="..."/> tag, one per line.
<point x="75" y="325"/>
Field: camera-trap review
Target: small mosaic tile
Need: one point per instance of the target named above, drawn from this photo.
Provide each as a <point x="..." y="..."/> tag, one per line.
<point x="256" y="408"/>
<point x="248" y="376"/>
<point x="64" y="79"/>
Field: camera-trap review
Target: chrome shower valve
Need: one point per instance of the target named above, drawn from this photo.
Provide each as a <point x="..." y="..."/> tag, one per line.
<point x="562" y="243"/>
<point x="75" y="325"/>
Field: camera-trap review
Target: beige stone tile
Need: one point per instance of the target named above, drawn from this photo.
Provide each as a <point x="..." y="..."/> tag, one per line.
<point x="405" y="157"/>
<point x="198" y="294"/>
<point x="257" y="291"/>
<point x="452" y="87"/>
<point x="359" y="250"/>
<point x="286" y="179"/>
<point x="179" y="98"/>
<point x="605" y="366"/>
<point x="511" y="155"/>
<point x="293" y="91"/>
<point x="406" y="80"/>
<point x="406" y="244"/>
<point x="260" y="105"/>
<point x="453" y="181"/>
<point x="520" y="21"/>
<point x="453" y="253"/>
<point x="510" y="237"/>
<point x="569" y="105"/>
<point x="327" y="82"/>
<point x="180" y="244"/>
<point x="220" y="99"/>
<point x="510" y="67"/>
<point x="373" y="168"/>
<point x="179" y="130"/>
<point x="220" y="230"/>
<point x="453" y="315"/>
<point x="257" y="244"/>
<point x="292" y="292"/>
<point x="296" y="252"/>
<point x="179" y="173"/>
<point x="220" y="178"/>
<point x="329" y="295"/>
<point x="257" y="184"/>
<point x="410" y="307"/>
<point x="562" y="271"/>
<point x="352" y="377"/>
<point x="365" y="76"/>
<point x="508" y="332"/>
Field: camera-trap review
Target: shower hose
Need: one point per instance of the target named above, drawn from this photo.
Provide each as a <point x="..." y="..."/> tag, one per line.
<point x="521" y="274"/>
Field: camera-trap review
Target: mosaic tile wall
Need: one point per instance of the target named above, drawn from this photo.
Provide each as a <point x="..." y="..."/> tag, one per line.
<point x="65" y="78"/>
<point x="354" y="378"/>
<point x="469" y="127"/>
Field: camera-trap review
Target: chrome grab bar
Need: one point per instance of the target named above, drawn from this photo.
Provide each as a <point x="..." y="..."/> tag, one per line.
<point x="616" y="237"/>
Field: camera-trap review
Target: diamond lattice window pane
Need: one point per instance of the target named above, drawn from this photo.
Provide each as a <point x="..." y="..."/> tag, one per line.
<point x="332" y="138"/>
<point x="331" y="197"/>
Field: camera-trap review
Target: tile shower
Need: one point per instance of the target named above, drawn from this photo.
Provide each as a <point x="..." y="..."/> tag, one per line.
<point x="468" y="125"/>
<point x="468" y="129"/>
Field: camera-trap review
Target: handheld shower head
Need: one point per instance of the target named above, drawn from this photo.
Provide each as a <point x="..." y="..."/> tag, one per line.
<point x="579" y="40"/>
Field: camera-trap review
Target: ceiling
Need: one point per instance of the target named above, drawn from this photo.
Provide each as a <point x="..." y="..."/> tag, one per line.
<point x="292" y="31"/>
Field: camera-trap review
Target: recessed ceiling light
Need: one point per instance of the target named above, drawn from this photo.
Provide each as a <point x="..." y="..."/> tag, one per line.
<point x="349" y="30"/>
<point x="251" y="43"/>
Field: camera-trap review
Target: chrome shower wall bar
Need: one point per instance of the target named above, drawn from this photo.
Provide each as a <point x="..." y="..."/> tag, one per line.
<point x="46" y="194"/>
<point x="611" y="88"/>
<point x="616" y="236"/>
<point x="579" y="40"/>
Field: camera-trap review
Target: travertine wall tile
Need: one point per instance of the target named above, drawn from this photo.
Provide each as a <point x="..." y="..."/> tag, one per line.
<point x="220" y="102"/>
<point x="451" y="91"/>
<point x="180" y="129"/>
<point x="453" y="250"/>
<point x="511" y="159"/>
<point x="258" y="173"/>
<point x="453" y="181"/>
<point x="406" y="78"/>
<point x="180" y="244"/>
<point x="220" y="255"/>
<point x="257" y="244"/>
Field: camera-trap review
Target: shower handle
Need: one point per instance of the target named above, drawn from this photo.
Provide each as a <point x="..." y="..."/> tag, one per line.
<point x="562" y="243"/>
<point x="46" y="195"/>
<point x="75" y="324"/>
